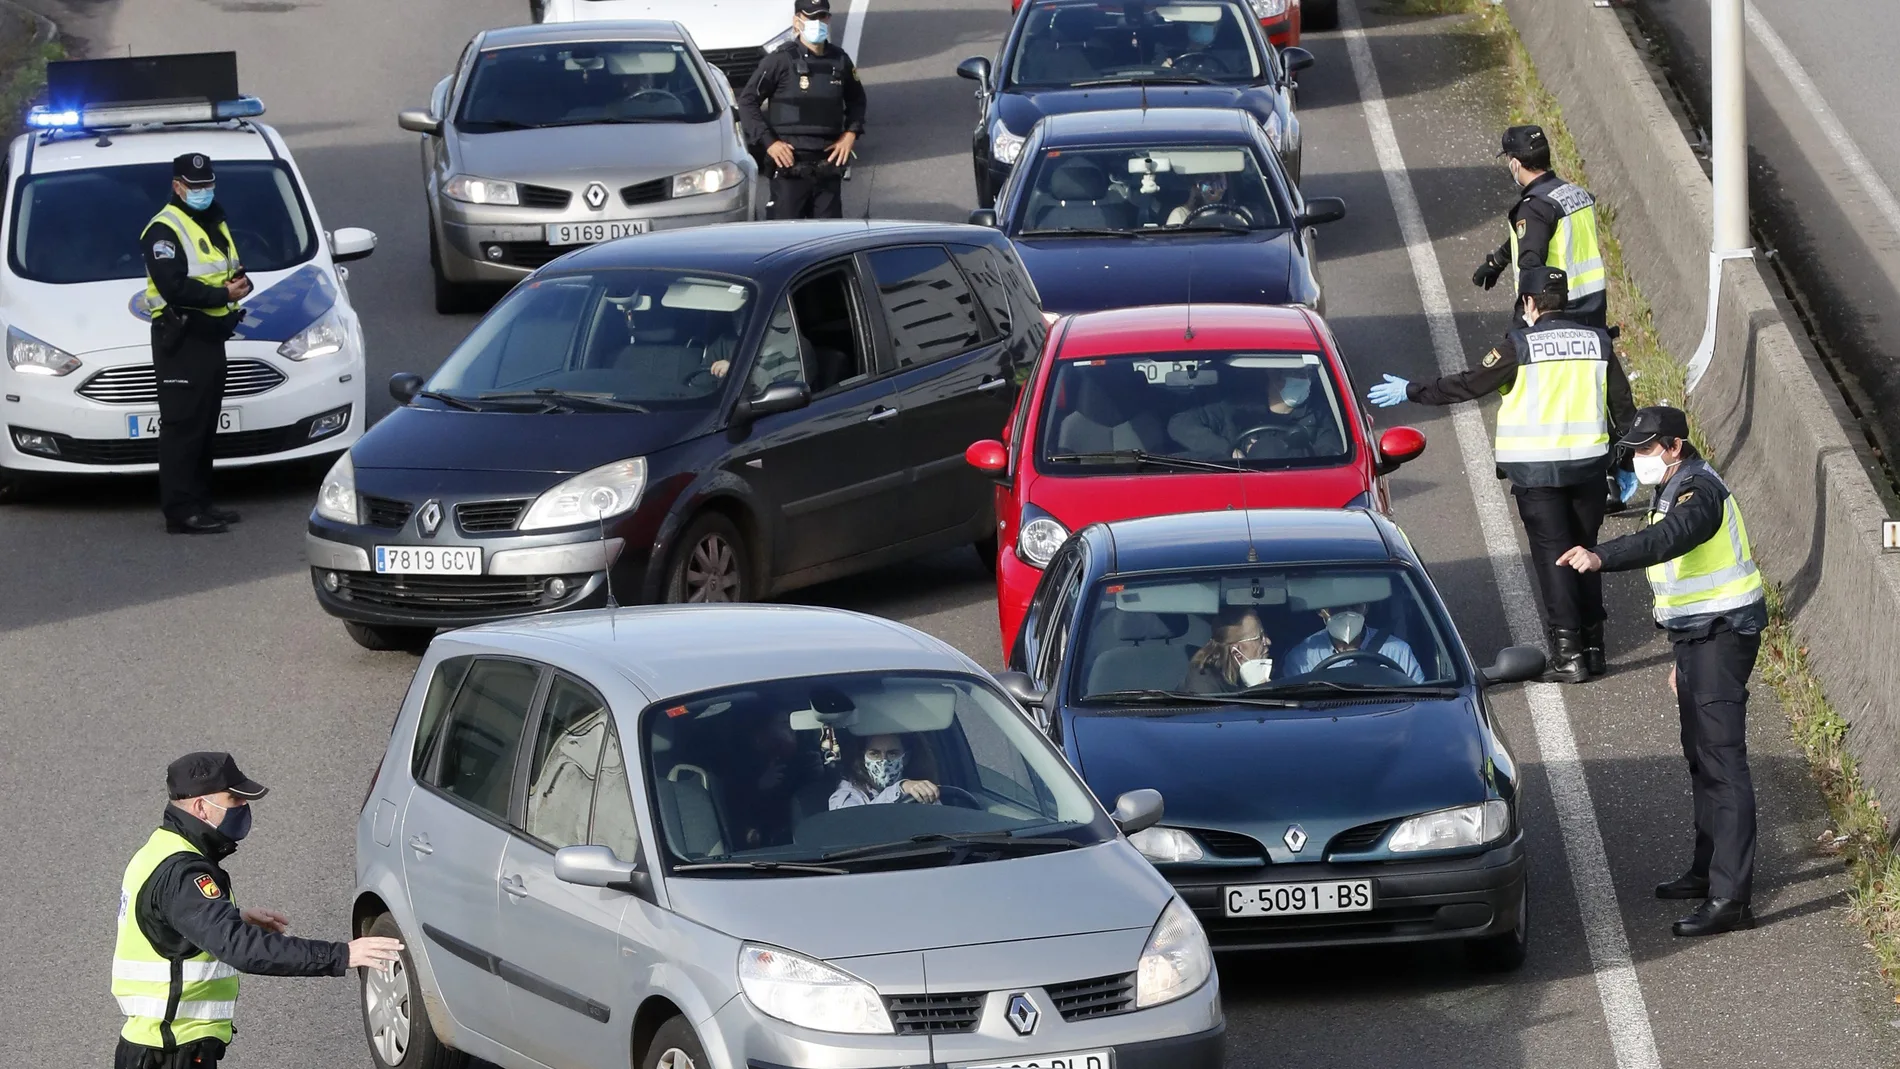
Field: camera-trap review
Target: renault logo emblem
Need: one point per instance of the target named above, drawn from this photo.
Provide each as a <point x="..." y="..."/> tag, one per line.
<point x="429" y="519"/>
<point x="595" y="196"/>
<point x="1022" y="1014"/>
<point x="1295" y="837"/>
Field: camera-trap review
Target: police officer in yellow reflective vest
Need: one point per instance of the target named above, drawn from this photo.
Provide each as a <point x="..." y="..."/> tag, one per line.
<point x="193" y="281"/>
<point x="1564" y="393"/>
<point x="1553" y="224"/>
<point x="183" y="940"/>
<point x="1709" y="599"/>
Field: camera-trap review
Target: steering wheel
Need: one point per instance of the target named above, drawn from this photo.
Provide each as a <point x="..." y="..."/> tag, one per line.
<point x="1199" y="63"/>
<point x="1245" y="440"/>
<point x="1239" y="211"/>
<point x="945" y="795"/>
<point x="1358" y="655"/>
<point x="667" y="93"/>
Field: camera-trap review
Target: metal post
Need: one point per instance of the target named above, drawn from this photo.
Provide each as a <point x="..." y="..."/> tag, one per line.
<point x="1728" y="107"/>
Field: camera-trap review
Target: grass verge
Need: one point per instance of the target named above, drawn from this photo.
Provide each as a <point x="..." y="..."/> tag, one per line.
<point x="22" y="68"/>
<point x="1858" y="834"/>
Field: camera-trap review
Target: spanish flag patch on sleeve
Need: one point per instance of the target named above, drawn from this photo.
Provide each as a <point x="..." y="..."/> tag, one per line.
<point x="208" y="887"/>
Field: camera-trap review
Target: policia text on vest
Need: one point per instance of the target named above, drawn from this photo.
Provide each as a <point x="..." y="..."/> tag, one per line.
<point x="1553" y="224"/>
<point x="803" y="110"/>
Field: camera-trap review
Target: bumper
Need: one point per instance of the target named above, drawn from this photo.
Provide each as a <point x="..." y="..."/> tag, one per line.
<point x="1016" y="581"/>
<point x="505" y="245"/>
<point x="1413" y="901"/>
<point x="1203" y="1050"/>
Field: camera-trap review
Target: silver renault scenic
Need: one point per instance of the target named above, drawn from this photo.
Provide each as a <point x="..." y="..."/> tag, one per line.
<point x="756" y="837"/>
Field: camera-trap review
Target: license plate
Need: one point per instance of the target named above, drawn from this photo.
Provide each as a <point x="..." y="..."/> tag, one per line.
<point x="147" y="424"/>
<point x="589" y="233"/>
<point x="1277" y="899"/>
<point x="1082" y="1059"/>
<point x="429" y="560"/>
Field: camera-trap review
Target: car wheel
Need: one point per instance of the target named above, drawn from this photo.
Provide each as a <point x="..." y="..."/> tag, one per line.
<point x="1319" y="15"/>
<point x="1504" y="953"/>
<point x="396" y="1017"/>
<point x="710" y="564"/>
<point x="384" y="639"/>
<point x="675" y="1046"/>
<point x="986" y="552"/>
<point x="451" y="298"/>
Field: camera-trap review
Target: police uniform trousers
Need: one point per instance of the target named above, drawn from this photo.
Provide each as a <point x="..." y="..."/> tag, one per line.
<point x="807" y="198"/>
<point x="202" y="1054"/>
<point x="1712" y="700"/>
<point x="1556" y="518"/>
<point x="190" y="393"/>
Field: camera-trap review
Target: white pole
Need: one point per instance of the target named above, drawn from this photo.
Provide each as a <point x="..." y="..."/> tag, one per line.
<point x="1728" y="106"/>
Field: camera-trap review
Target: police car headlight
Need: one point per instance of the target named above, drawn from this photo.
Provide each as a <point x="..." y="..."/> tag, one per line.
<point x="1268" y="9"/>
<point x="30" y="356"/>
<point x="707" y="179"/>
<point x="589" y="497"/>
<point x="1449" y="829"/>
<point x="470" y="190"/>
<point x="336" y="498"/>
<point x="1005" y="146"/>
<point x="321" y="338"/>
<point x="1039" y="537"/>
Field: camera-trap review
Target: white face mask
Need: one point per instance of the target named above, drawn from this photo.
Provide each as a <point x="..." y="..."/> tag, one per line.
<point x="884" y="771"/>
<point x="1296" y="391"/>
<point x="1255" y="672"/>
<point x="1651" y="470"/>
<point x="1346" y="628"/>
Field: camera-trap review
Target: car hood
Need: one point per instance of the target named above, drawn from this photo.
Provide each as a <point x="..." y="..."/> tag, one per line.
<point x="1090" y="274"/>
<point x="424" y="439"/>
<point x="713" y="23"/>
<point x="568" y="156"/>
<point x="1020" y="108"/>
<point x="1257" y="771"/>
<point x="923" y="909"/>
<point x="1077" y="501"/>
<point x="90" y="317"/>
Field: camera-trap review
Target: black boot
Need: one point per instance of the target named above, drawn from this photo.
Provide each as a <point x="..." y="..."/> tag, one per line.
<point x="1566" y="657"/>
<point x="1593" y="658"/>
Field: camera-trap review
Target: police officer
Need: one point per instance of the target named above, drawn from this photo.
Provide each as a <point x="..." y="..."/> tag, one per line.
<point x="1564" y="390"/>
<point x="193" y="282"/>
<point x="183" y="939"/>
<point x="1708" y="597"/>
<point x="805" y="106"/>
<point x="1553" y="224"/>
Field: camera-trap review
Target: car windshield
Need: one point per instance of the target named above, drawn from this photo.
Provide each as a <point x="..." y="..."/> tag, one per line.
<point x="84" y="226"/>
<point x="653" y="339"/>
<point x="1086" y="42"/>
<point x="858" y="769"/>
<point x="1253" y="410"/>
<point x="579" y="84"/>
<point x="1149" y="190"/>
<point x="1303" y="630"/>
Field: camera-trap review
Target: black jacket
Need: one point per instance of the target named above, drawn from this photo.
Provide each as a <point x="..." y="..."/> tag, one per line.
<point x="1692" y="514"/>
<point x="777" y="74"/>
<point x="165" y="262"/>
<point x="1540" y="217"/>
<point x="181" y="915"/>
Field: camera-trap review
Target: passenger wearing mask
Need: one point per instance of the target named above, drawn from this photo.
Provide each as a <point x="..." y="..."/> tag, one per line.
<point x="1234" y="658"/>
<point x="1288" y="425"/>
<point x="1345" y="630"/>
<point x="874" y="768"/>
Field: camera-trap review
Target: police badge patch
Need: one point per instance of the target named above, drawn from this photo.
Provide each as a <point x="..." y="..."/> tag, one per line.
<point x="1491" y="358"/>
<point x="1520" y="228"/>
<point x="208" y="887"/>
<point x="164" y="250"/>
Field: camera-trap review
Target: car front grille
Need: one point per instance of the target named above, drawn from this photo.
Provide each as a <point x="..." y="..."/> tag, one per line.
<point x="386" y="512"/>
<point x="1229" y="844"/>
<point x="257" y="443"/>
<point x="645" y="192"/>
<point x="451" y="595"/>
<point x="738" y="63"/>
<point x="545" y="197"/>
<point x="528" y="254"/>
<point x="1100" y="997"/>
<point x="137" y="384"/>
<point x="479" y="517"/>
<point x="1358" y="840"/>
<point x="934" y="1015"/>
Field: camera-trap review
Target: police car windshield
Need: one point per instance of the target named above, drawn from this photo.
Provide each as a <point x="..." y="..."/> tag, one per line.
<point x="657" y="339"/>
<point x="1157" y="191"/>
<point x="534" y="86"/>
<point x="1076" y="42"/>
<point x="84" y="225"/>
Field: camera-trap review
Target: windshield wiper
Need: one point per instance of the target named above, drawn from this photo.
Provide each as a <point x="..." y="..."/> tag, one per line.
<point x="799" y="867"/>
<point x="498" y="124"/>
<point x="563" y="397"/>
<point x="604" y="121"/>
<point x="1182" y="697"/>
<point x="449" y="399"/>
<point x="933" y="843"/>
<point x="1224" y="228"/>
<point x="1359" y="690"/>
<point x="1140" y="457"/>
<point x="1078" y="232"/>
<point x="1181" y="78"/>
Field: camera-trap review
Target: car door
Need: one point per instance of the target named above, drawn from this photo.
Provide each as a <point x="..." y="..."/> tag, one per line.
<point x="557" y="940"/>
<point x="454" y="830"/>
<point x="832" y="468"/>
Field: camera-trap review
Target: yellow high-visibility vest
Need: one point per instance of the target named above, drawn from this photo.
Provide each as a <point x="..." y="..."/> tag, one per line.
<point x="203" y="259"/>
<point x="1558" y="408"/>
<point x="1573" y="246"/>
<point x="1717" y="576"/>
<point x="191" y="999"/>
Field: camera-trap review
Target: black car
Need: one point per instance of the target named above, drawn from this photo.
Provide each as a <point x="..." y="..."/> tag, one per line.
<point x="1084" y="55"/>
<point x="710" y="415"/>
<point x="1115" y="209"/>
<point x="1290" y="682"/>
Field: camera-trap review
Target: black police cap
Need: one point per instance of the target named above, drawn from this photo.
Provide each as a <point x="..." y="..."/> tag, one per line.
<point x="208" y="772"/>
<point x="1657" y="421"/>
<point x="193" y="169"/>
<point x="1550" y="280"/>
<point x="1521" y="141"/>
<point x="810" y="8"/>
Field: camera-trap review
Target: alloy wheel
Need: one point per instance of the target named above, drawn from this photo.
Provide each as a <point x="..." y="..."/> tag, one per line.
<point x="674" y="1058"/>
<point x="712" y="574"/>
<point x="386" y="1006"/>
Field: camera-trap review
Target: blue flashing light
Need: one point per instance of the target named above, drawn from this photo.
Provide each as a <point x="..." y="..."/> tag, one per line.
<point x="244" y="107"/>
<point x="158" y="114"/>
<point x="45" y="118"/>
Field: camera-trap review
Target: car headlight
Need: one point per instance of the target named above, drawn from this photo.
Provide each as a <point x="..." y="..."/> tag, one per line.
<point x="707" y="179"/>
<point x="336" y="498"/>
<point x="1163" y="845"/>
<point x="589" y="497"/>
<point x="1039" y="537"/>
<point x="1449" y="829"/>
<point x="30" y="356"/>
<point x="1005" y="146"/>
<point x="321" y="338"/>
<point x="810" y="994"/>
<point x="1176" y="961"/>
<point x="470" y="190"/>
<point x="1268" y="9"/>
<point x="1274" y="133"/>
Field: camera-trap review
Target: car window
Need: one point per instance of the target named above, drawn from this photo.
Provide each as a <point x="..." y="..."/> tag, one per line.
<point x="442" y="687"/>
<point x="1156" y="189"/>
<point x="928" y="306"/>
<point x="583" y="83"/>
<point x="979" y="266"/>
<point x="1053" y="645"/>
<point x="1026" y="303"/>
<point x="565" y="762"/>
<point x="477" y="762"/>
<point x="778" y="360"/>
<point x="1080" y="42"/>
<point x="614" y="826"/>
<point x="830" y="333"/>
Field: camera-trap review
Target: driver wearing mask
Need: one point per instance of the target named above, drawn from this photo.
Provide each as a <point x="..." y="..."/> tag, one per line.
<point x="874" y="770"/>
<point x="1200" y="42"/>
<point x="1207" y="189"/>
<point x="1345" y="631"/>
<point x="1288" y="425"/>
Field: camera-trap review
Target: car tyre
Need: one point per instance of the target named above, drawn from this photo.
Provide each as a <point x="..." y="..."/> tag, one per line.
<point x="1319" y="15"/>
<point x="675" y="1046"/>
<point x="451" y="298"/>
<point x="1504" y="953"/>
<point x="384" y="639"/>
<point x="710" y="563"/>
<point x="396" y="1016"/>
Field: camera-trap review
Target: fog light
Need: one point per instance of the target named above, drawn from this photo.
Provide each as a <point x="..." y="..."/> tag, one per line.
<point x="36" y="442"/>
<point x="494" y="253"/>
<point x="331" y="582"/>
<point x="557" y="588"/>
<point x="330" y="422"/>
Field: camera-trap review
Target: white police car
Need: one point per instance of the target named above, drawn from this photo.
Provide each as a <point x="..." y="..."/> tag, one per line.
<point x="78" y="393"/>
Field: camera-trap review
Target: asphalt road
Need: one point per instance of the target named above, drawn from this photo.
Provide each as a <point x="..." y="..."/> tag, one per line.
<point x="121" y="647"/>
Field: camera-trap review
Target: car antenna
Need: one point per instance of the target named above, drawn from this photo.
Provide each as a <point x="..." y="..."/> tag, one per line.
<point x="608" y="564"/>
<point x="1144" y="96"/>
<point x="1188" y="334"/>
<point x="870" y="187"/>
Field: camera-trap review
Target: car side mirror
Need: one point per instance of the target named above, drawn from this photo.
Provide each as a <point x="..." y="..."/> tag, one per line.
<point x="1027" y="692"/>
<point x="983" y="217"/>
<point x="1400" y="445"/>
<point x="1295" y="59"/>
<point x="404" y="386"/>
<point x="778" y="397"/>
<point x="988" y="455"/>
<point x="976" y="69"/>
<point x="419" y="121"/>
<point x="351" y="243"/>
<point x="596" y="866"/>
<point x="1321" y="210"/>
<point x="1516" y="664"/>
<point x="1138" y="811"/>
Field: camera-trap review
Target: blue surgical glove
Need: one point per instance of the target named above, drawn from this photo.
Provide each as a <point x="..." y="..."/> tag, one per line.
<point x="1626" y="485"/>
<point x="1388" y="393"/>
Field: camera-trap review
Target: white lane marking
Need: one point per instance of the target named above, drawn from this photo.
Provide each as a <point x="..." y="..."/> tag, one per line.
<point x="1623" y="1008"/>
<point x="1831" y="128"/>
<point x="854" y="29"/>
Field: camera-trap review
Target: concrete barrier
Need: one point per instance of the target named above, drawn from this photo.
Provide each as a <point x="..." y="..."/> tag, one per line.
<point x="1783" y="439"/>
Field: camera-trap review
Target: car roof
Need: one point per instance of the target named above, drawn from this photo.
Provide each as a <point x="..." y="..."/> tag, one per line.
<point x="1149" y="126"/>
<point x="668" y="650"/>
<point x="235" y="140"/>
<point x="1237" y="537"/>
<point x="543" y="33"/>
<point x="740" y="247"/>
<point x="1216" y="327"/>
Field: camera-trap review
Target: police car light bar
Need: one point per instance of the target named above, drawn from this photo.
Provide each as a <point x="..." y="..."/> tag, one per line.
<point x="91" y="94"/>
<point x="45" y="117"/>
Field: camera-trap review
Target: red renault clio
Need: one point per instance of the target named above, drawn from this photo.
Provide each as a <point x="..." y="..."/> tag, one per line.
<point x="1171" y="408"/>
